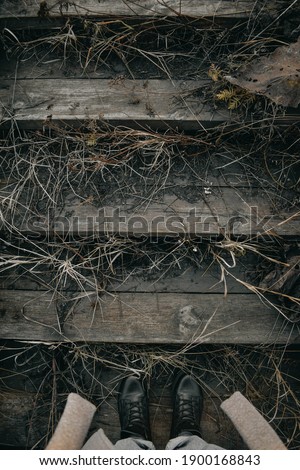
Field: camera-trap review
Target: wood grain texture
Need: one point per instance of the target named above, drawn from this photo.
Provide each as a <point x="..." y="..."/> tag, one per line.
<point x="143" y="318"/>
<point x="223" y="210"/>
<point x="148" y="8"/>
<point x="217" y="211"/>
<point x="15" y="410"/>
<point x="158" y="103"/>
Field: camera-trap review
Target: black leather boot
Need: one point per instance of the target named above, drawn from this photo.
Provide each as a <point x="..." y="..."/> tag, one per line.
<point x="133" y="409"/>
<point x="187" y="407"/>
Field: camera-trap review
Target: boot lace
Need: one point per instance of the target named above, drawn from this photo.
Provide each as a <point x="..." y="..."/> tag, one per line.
<point x="186" y="409"/>
<point x="135" y="414"/>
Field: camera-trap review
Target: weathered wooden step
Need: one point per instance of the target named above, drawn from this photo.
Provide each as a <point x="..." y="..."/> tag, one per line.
<point x="222" y="211"/>
<point x="145" y="8"/>
<point x="216" y="212"/>
<point x="155" y="103"/>
<point x="138" y="103"/>
<point x="50" y="14"/>
<point x="143" y="318"/>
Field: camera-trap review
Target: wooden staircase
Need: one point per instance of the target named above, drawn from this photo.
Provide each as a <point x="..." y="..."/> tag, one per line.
<point x="58" y="108"/>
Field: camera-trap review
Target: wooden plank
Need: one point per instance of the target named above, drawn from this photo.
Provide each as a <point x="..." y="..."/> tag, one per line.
<point x="15" y="411"/>
<point x="215" y="211"/>
<point x="155" y="103"/>
<point x="158" y="103"/>
<point x="146" y="8"/>
<point x="223" y="210"/>
<point x="144" y="318"/>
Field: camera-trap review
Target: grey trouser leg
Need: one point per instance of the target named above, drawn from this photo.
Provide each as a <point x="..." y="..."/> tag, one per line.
<point x="190" y="443"/>
<point x="133" y="444"/>
<point x="180" y="442"/>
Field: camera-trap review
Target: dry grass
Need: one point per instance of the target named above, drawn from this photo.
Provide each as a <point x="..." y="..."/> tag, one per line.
<point x="266" y="376"/>
<point x="104" y="165"/>
<point x="99" y="164"/>
<point x="169" y="47"/>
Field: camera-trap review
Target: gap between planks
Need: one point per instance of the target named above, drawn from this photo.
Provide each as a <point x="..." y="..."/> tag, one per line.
<point x="206" y="279"/>
<point x="143" y="319"/>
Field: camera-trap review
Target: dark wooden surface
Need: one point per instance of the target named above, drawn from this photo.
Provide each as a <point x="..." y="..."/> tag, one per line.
<point x="137" y="103"/>
<point x="143" y="318"/>
<point x="157" y="103"/>
<point x="217" y="211"/>
<point x="185" y="279"/>
<point x="36" y="378"/>
<point x="90" y="8"/>
<point x="221" y="211"/>
<point x="179" y="310"/>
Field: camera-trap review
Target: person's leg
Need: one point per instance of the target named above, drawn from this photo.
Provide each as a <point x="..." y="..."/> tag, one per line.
<point x="132" y="443"/>
<point x="187" y="412"/>
<point x="190" y="443"/>
<point x="134" y="416"/>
